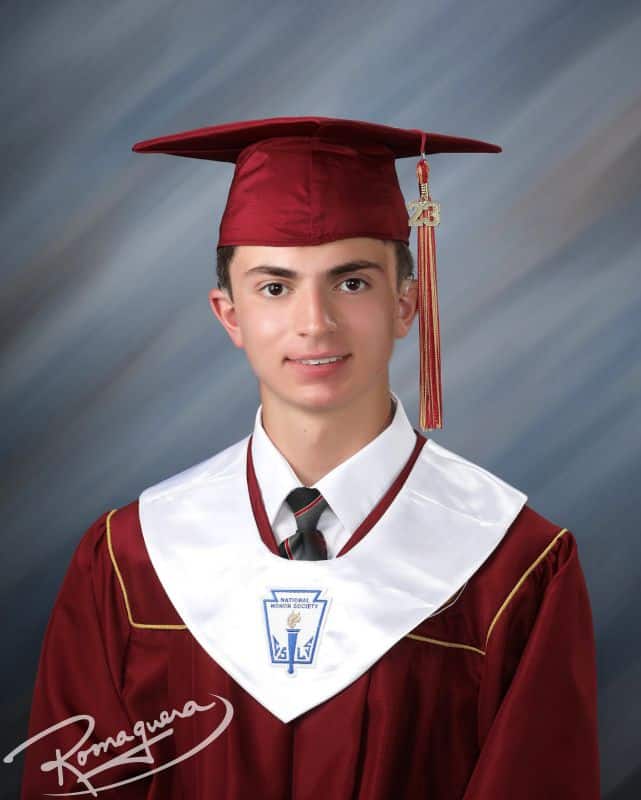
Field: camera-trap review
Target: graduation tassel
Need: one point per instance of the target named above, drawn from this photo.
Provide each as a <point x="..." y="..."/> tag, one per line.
<point x="425" y="216"/>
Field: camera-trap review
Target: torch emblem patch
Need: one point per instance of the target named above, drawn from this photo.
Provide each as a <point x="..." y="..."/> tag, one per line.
<point x="293" y="618"/>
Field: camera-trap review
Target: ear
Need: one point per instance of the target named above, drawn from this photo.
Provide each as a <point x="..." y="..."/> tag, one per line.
<point x="225" y="311"/>
<point x="407" y="306"/>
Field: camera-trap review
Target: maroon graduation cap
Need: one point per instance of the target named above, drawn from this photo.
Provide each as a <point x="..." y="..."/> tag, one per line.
<point x="311" y="180"/>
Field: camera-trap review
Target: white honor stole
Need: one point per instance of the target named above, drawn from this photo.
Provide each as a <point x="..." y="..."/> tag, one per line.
<point x="295" y="633"/>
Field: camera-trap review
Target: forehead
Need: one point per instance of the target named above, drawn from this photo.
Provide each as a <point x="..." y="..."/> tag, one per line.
<point x="314" y="258"/>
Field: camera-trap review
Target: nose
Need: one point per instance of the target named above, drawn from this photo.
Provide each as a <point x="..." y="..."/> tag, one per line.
<point x="314" y="315"/>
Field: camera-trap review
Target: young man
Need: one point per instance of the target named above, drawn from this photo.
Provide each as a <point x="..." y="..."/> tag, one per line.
<point x="336" y="606"/>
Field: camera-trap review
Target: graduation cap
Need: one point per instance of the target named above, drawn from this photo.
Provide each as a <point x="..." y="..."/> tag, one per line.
<point x="311" y="180"/>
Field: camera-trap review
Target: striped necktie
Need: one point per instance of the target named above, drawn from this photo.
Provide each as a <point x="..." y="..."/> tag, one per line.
<point x="307" y="544"/>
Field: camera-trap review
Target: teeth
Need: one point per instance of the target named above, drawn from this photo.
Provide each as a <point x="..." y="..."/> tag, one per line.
<point x="319" y="360"/>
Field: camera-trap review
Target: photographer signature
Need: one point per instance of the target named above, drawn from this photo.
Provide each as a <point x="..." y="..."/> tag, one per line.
<point x="139" y="754"/>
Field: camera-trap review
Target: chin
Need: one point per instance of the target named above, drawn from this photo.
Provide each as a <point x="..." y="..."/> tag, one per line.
<point x="313" y="398"/>
<point x="329" y="399"/>
<point x="319" y="403"/>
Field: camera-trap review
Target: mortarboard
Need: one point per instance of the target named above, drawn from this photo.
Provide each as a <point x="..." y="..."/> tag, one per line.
<point x="310" y="180"/>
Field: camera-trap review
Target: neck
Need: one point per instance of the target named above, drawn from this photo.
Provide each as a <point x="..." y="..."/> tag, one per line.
<point x="314" y="442"/>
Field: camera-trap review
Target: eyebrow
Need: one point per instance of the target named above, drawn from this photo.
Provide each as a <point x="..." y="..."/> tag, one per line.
<point x="340" y="269"/>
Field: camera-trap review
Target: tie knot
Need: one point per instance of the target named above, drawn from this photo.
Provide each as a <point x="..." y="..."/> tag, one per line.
<point x="307" y="505"/>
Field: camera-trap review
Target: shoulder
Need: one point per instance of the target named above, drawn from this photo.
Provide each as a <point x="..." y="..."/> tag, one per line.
<point x="512" y="578"/>
<point x="147" y="604"/>
<point x="113" y="556"/>
<point x="125" y="555"/>
<point x="531" y="541"/>
<point x="512" y="582"/>
<point x="471" y="490"/>
<point x="509" y="587"/>
<point x="124" y="550"/>
<point x="464" y="489"/>
<point x="111" y="564"/>
<point x="216" y="467"/>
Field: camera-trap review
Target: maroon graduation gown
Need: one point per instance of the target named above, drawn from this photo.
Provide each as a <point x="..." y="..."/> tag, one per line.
<point x="492" y="698"/>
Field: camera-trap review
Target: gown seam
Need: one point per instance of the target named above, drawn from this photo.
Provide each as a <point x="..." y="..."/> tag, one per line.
<point x="503" y="606"/>
<point x="123" y="589"/>
<point x="114" y="682"/>
<point x="443" y="643"/>
<point x="520" y="582"/>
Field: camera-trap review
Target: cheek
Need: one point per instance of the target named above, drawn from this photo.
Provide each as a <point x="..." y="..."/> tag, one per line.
<point x="374" y="322"/>
<point x="261" y="326"/>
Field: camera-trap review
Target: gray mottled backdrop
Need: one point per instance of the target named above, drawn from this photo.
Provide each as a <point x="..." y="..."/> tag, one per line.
<point x="115" y="373"/>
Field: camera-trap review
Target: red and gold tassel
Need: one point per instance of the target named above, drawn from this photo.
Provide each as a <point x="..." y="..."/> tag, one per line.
<point x="425" y="215"/>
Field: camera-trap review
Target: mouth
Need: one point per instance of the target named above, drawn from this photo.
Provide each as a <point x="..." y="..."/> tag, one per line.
<point x="318" y="361"/>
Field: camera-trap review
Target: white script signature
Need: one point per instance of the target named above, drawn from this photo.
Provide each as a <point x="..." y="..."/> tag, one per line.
<point x="140" y="729"/>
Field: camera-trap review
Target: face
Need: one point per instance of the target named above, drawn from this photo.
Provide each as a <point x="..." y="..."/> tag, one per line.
<point x="303" y="304"/>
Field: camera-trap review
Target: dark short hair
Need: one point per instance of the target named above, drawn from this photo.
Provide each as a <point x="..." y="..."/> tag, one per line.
<point x="224" y="255"/>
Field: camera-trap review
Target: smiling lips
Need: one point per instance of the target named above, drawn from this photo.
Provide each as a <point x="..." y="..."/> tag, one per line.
<point x="314" y="361"/>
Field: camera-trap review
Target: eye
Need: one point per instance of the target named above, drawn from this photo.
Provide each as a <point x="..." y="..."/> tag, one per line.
<point x="280" y="289"/>
<point x="354" y="284"/>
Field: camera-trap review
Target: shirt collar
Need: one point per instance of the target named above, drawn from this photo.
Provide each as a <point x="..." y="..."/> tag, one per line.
<point x="352" y="488"/>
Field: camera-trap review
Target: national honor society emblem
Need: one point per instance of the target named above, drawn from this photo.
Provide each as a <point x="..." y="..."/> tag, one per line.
<point x="293" y="618"/>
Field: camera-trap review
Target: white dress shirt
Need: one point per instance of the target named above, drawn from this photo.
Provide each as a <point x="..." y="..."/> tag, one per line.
<point x="351" y="489"/>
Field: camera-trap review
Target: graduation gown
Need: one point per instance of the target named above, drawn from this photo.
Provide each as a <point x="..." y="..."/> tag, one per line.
<point x="454" y="656"/>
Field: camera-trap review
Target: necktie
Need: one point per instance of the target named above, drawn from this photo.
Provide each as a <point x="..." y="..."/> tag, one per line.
<point x="307" y="544"/>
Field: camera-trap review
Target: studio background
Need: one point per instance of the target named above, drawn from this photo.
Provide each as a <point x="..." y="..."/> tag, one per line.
<point x="114" y="372"/>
